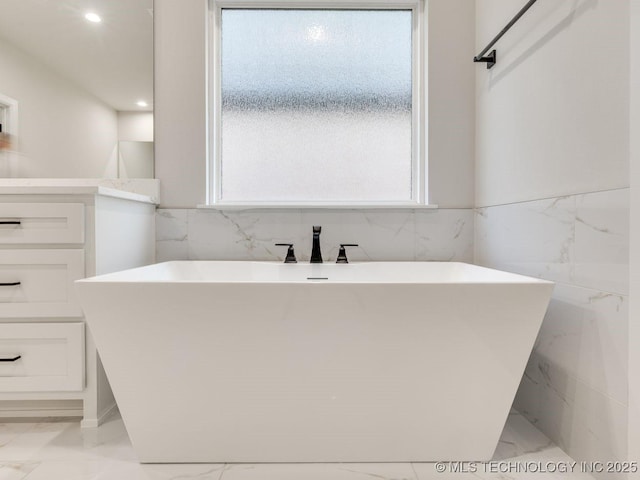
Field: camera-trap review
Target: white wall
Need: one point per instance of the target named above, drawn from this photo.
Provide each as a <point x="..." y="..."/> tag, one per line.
<point x="135" y="126"/>
<point x="552" y="181"/>
<point x="451" y="102"/>
<point x="553" y="114"/>
<point x="180" y="101"/>
<point x="63" y="131"/>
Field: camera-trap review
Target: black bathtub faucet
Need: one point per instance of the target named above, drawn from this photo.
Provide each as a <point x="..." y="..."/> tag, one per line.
<point x="316" y="256"/>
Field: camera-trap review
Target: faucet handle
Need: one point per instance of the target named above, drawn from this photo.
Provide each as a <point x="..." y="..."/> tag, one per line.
<point x="291" y="256"/>
<point x="342" y="253"/>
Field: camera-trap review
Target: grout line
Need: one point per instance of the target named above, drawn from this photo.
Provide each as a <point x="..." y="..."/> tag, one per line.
<point x="478" y="207"/>
<point x="557" y="282"/>
<point x="576" y="285"/>
<point x="577" y="379"/>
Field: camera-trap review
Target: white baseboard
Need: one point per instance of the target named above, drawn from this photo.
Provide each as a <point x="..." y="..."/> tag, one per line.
<point x="40" y="408"/>
<point x="96" y="422"/>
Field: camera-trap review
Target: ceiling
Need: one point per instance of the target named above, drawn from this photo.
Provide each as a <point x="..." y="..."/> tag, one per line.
<point x="112" y="60"/>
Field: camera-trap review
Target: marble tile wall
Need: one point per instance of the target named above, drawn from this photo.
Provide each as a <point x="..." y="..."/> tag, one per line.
<point x="204" y="234"/>
<point x="575" y="387"/>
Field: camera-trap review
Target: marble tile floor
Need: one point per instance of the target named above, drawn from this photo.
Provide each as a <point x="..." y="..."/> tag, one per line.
<point x="60" y="450"/>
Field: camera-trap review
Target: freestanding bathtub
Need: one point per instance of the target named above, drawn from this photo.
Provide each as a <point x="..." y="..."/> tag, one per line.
<point x="268" y="362"/>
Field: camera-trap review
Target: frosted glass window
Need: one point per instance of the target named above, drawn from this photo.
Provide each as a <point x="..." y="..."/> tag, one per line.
<point x="316" y="105"/>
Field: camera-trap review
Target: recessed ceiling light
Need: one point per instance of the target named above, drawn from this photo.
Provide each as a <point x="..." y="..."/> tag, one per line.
<point x="93" y="17"/>
<point x="142" y="103"/>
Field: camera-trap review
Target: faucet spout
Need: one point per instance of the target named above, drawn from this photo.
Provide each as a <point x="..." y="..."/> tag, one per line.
<point x="316" y="255"/>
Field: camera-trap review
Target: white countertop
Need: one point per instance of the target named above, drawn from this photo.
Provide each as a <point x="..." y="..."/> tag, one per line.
<point x="140" y="190"/>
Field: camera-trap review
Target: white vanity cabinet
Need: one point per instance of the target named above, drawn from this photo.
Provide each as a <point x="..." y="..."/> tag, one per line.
<point x="50" y="236"/>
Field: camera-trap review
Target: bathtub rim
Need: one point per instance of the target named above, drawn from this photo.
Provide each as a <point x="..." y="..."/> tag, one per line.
<point x="493" y="276"/>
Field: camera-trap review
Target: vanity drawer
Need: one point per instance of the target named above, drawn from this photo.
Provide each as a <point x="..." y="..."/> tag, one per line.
<point x="39" y="283"/>
<point x="31" y="223"/>
<point x="37" y="357"/>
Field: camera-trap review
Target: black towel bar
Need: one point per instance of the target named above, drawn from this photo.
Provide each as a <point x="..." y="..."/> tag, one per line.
<point x="490" y="59"/>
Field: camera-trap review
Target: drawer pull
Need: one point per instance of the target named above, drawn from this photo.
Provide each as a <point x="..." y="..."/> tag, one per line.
<point x="9" y="284"/>
<point x="11" y="358"/>
<point x="9" y="222"/>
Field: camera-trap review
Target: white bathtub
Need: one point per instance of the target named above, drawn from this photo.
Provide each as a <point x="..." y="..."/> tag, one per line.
<point x="368" y="362"/>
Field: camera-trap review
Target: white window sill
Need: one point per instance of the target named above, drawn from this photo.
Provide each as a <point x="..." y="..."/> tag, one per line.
<point x="319" y="206"/>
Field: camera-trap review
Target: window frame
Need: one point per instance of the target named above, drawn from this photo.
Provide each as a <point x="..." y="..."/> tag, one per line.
<point x="419" y="106"/>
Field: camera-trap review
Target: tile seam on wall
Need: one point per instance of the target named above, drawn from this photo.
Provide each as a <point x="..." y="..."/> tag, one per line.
<point x="576" y="285"/>
<point x="550" y="198"/>
<point x="588" y="385"/>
